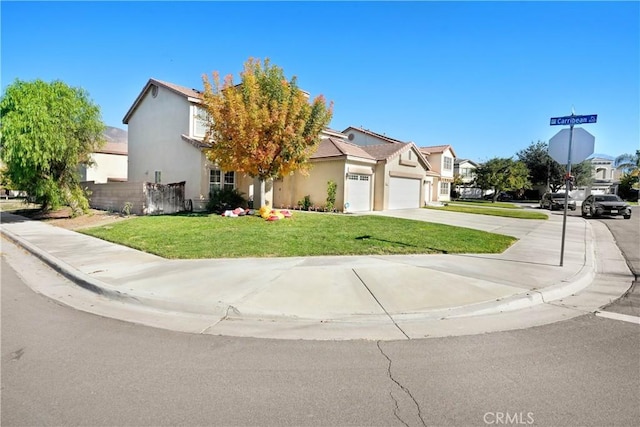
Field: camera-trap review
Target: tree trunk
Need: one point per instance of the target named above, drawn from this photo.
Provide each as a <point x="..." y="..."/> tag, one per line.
<point x="260" y="190"/>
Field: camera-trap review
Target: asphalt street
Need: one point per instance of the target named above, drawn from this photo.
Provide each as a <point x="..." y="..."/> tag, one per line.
<point x="65" y="367"/>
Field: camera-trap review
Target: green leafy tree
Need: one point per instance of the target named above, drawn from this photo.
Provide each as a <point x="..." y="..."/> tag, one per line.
<point x="502" y="174"/>
<point x="47" y="131"/>
<point x="628" y="187"/>
<point x="583" y="173"/>
<point x="543" y="170"/>
<point x="265" y="126"/>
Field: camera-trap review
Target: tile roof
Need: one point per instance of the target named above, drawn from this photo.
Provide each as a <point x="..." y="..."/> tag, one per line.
<point x="388" y="151"/>
<point x="180" y="90"/>
<point x="334" y="147"/>
<point x="384" y="151"/>
<point x="435" y="149"/>
<point x="198" y="143"/>
<point x="114" y="148"/>
<point x="374" y="134"/>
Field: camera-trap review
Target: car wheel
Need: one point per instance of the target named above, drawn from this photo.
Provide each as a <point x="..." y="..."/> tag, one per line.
<point x="627" y="217"/>
<point x="584" y="214"/>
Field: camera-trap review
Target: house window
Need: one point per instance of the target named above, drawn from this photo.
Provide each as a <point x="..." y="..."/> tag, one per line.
<point x="200" y="120"/>
<point x="444" y="188"/>
<point x="466" y="172"/>
<point x="448" y="163"/>
<point x="158" y="177"/>
<point x="219" y="180"/>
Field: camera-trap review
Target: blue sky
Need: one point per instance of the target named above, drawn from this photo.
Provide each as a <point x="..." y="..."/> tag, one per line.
<point x="484" y="77"/>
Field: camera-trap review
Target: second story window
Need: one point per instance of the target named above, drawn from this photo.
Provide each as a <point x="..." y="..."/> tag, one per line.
<point x="200" y="120"/>
<point x="448" y="163"/>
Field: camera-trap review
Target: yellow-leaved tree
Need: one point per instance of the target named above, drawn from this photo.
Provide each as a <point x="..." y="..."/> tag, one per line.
<point x="265" y="126"/>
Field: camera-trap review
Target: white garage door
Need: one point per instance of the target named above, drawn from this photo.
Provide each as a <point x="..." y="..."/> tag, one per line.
<point x="358" y="192"/>
<point x="404" y="193"/>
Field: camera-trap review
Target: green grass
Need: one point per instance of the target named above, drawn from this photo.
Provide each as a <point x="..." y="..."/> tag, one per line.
<point x="486" y="203"/>
<point x="306" y="234"/>
<point x="510" y="213"/>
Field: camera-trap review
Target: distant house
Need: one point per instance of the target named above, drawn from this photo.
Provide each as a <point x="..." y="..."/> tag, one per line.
<point x="441" y="158"/>
<point x="466" y="170"/>
<point x="110" y="161"/>
<point x="605" y="175"/>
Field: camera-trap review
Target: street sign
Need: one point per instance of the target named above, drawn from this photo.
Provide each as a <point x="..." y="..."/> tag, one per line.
<point x="573" y="120"/>
<point x="582" y="146"/>
<point x="565" y="147"/>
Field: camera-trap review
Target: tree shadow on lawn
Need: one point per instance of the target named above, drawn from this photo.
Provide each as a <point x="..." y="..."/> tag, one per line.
<point x="367" y="237"/>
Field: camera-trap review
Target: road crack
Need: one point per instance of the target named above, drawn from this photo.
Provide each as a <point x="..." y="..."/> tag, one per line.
<point x="405" y="390"/>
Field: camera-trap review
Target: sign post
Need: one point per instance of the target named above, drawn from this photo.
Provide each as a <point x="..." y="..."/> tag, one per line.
<point x="571" y="120"/>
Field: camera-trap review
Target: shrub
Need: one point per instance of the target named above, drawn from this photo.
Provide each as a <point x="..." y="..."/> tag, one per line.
<point x="331" y="195"/>
<point x="225" y="199"/>
<point x="305" y="203"/>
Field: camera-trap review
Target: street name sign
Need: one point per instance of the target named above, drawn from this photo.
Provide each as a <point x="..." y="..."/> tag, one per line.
<point x="582" y="146"/>
<point x="574" y="120"/>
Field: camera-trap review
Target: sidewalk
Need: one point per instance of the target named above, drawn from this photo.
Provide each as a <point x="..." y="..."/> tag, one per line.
<point x="354" y="297"/>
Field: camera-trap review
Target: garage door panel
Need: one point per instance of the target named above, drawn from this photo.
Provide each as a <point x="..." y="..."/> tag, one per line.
<point x="359" y="192"/>
<point x="404" y="193"/>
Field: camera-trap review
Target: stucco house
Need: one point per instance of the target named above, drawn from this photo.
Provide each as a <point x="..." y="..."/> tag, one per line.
<point x="465" y="169"/>
<point x="165" y="133"/>
<point x="605" y="175"/>
<point x="372" y="171"/>
<point x="441" y="158"/>
<point x="369" y="177"/>
<point x="110" y="161"/>
<point x="439" y="175"/>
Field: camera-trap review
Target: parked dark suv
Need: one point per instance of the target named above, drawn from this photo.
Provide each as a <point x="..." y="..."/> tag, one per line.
<point x="605" y="204"/>
<point x="553" y="201"/>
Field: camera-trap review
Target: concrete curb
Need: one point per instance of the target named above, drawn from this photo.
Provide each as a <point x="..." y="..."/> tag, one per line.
<point x="558" y="291"/>
<point x="526" y="300"/>
<point x="100" y="288"/>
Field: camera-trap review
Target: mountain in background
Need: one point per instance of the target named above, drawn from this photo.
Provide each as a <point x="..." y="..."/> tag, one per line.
<point x="116" y="141"/>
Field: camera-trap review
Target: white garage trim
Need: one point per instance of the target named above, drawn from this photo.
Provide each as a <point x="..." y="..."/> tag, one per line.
<point x="404" y="193"/>
<point x="358" y="194"/>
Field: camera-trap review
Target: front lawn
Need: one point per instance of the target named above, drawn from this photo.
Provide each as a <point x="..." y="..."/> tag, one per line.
<point x="510" y="213"/>
<point x="486" y="203"/>
<point x="306" y="234"/>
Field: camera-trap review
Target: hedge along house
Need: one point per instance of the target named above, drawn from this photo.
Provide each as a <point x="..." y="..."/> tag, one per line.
<point x="165" y="143"/>
<point x="374" y="177"/>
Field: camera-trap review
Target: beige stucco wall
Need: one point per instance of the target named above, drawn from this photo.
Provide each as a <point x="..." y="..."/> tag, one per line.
<point x="291" y="189"/>
<point x="400" y="166"/>
<point x="105" y="166"/>
<point x="155" y="144"/>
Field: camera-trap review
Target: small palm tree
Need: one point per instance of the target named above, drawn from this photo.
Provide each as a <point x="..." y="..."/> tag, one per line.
<point x="628" y="163"/>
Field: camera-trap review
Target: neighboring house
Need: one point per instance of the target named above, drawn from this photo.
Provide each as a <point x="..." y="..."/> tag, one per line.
<point x="466" y="170"/>
<point x="110" y="161"/>
<point x="605" y="175"/>
<point x="371" y="177"/>
<point x="166" y="145"/>
<point x="441" y="158"/>
<point x="435" y="173"/>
